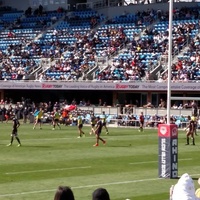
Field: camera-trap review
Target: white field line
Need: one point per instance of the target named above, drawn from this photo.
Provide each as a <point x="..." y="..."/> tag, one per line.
<point x="85" y="186"/>
<point x="138" y="163"/>
<point x="84" y="167"/>
<point x="79" y="187"/>
<point x="47" y="170"/>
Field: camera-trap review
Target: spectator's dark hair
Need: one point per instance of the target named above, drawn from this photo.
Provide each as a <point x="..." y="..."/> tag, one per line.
<point x="64" y="193"/>
<point x="100" y="194"/>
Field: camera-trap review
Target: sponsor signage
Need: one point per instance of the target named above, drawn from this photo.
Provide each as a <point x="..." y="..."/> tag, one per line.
<point x="99" y="85"/>
<point x="168" y="150"/>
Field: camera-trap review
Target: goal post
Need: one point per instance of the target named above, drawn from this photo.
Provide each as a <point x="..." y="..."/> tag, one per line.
<point x="168" y="144"/>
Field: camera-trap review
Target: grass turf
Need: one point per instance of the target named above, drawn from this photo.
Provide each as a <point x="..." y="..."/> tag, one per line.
<point x="127" y="166"/>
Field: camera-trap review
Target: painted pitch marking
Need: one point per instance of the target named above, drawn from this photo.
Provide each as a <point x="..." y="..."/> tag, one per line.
<point x="47" y="170"/>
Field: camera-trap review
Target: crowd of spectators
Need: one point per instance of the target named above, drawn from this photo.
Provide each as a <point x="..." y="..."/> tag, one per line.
<point x="152" y="121"/>
<point x="24" y="110"/>
<point x="187" y="66"/>
<point x="74" y="45"/>
<point x="143" y="54"/>
<point x="78" y="56"/>
<point x="128" y="66"/>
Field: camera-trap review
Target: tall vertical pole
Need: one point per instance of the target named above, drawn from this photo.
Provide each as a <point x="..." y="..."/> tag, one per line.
<point x="169" y="60"/>
<point x="168" y="133"/>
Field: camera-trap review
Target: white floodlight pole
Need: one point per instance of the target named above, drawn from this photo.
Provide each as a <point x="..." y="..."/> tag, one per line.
<point x="169" y="60"/>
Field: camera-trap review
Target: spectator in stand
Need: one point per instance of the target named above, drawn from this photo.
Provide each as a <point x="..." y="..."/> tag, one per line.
<point x="93" y="22"/>
<point x="56" y="106"/>
<point x="25" y="115"/>
<point x="152" y="121"/>
<point x="172" y="119"/>
<point x="49" y="106"/>
<point x="81" y="103"/>
<point x="2" y="102"/>
<point x="28" y="12"/>
<point x="60" y="10"/>
<point x="161" y="120"/>
<point x="188" y="104"/>
<point x="100" y="102"/>
<point x="194" y="108"/>
<point x="175" y="106"/>
<point x="9" y="113"/>
<point x="40" y="10"/>
<point x="162" y="104"/>
<point x="148" y="105"/>
<point x="11" y="34"/>
<point x="180" y="106"/>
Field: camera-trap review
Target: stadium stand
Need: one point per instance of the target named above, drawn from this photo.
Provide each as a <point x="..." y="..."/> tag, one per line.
<point x="73" y="43"/>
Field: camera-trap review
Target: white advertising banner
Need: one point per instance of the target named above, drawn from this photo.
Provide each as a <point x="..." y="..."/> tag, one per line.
<point x="118" y="86"/>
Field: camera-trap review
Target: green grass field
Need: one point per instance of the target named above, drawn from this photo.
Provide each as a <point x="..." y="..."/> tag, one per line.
<point x="127" y="166"/>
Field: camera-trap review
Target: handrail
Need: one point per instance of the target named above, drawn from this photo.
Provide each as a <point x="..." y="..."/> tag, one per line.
<point x="135" y="111"/>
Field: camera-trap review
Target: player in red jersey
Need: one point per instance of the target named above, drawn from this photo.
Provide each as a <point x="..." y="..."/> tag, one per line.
<point x="141" y="122"/>
<point x="98" y="129"/>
